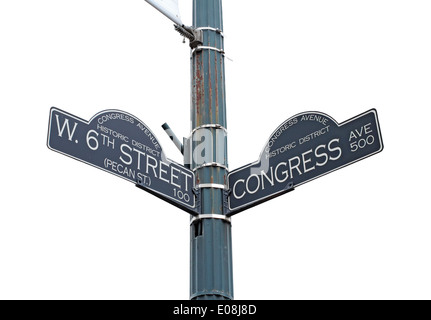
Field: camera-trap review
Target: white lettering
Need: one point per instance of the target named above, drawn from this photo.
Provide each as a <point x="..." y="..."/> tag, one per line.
<point x="161" y="171"/>
<point x="139" y="157"/>
<point x="174" y="176"/>
<point x="129" y="162"/>
<point x="305" y="161"/>
<point x="271" y="181"/>
<point x="276" y="176"/>
<point x="334" y="149"/>
<point x="154" y="165"/>
<point x="285" y="173"/>
<point x="295" y="166"/>
<point x="186" y="176"/>
<point x="247" y="185"/>
<point x="319" y="155"/>
<point x="65" y="125"/>
<point x="234" y="189"/>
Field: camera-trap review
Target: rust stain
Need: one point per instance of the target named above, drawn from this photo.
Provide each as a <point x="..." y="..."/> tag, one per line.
<point x="199" y="88"/>
<point x="210" y="89"/>
<point x="222" y="88"/>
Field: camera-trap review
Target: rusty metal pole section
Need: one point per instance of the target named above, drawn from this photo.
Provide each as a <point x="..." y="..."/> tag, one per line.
<point x="210" y="230"/>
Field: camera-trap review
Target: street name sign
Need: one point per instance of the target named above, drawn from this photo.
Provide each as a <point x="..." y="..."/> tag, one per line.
<point x="303" y="148"/>
<point x="119" y="143"/>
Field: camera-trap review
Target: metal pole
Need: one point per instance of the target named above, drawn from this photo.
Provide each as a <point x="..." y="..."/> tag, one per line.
<point x="210" y="232"/>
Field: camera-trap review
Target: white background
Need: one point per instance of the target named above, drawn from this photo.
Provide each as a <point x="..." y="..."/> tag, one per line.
<point x="70" y="231"/>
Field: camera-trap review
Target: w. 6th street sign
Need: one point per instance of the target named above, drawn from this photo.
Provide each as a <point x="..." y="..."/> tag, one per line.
<point x="304" y="147"/>
<point x="121" y="144"/>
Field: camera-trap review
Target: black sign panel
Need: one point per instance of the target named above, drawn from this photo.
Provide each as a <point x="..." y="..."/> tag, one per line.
<point x="304" y="147"/>
<point x="121" y="144"/>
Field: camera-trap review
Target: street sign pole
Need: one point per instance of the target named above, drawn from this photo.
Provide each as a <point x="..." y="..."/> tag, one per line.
<point x="210" y="231"/>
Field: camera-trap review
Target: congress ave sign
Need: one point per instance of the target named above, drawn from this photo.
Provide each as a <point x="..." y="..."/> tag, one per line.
<point x="304" y="147"/>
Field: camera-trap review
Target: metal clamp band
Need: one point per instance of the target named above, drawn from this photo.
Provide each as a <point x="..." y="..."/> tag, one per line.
<point x="198" y="48"/>
<point x="211" y="29"/>
<point x="211" y="164"/>
<point x="211" y="126"/>
<point x="212" y="185"/>
<point x="210" y="216"/>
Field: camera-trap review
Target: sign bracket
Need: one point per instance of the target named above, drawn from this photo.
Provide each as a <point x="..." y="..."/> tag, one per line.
<point x="195" y="36"/>
<point x="226" y="194"/>
<point x="198" y="200"/>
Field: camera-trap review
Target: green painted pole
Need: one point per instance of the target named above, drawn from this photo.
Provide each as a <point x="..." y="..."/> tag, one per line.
<point x="210" y="232"/>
